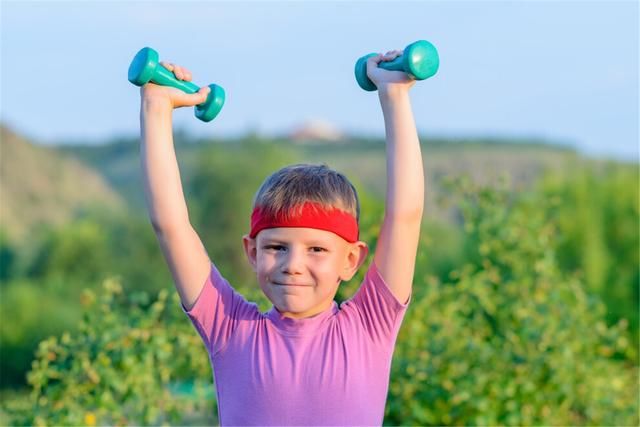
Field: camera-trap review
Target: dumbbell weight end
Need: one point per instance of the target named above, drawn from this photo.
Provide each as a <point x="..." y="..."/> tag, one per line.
<point x="210" y="108"/>
<point x="145" y="67"/>
<point x="361" y="73"/>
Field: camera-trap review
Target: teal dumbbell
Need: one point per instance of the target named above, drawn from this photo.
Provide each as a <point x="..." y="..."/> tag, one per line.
<point x="420" y="60"/>
<point x="146" y="68"/>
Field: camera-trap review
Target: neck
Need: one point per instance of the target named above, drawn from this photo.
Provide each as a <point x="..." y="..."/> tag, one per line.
<point x="311" y="313"/>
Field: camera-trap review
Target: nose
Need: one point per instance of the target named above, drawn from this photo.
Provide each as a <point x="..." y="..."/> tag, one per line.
<point x="292" y="262"/>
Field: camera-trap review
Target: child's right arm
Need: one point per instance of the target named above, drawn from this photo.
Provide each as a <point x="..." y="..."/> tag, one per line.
<point x="181" y="246"/>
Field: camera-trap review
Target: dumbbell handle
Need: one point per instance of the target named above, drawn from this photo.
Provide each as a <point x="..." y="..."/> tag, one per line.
<point x="395" y="65"/>
<point x="165" y="77"/>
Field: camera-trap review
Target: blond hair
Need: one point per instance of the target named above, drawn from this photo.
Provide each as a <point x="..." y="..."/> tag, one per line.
<point x="283" y="192"/>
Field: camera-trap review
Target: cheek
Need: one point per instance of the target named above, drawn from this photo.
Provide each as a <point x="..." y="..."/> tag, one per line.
<point x="265" y="266"/>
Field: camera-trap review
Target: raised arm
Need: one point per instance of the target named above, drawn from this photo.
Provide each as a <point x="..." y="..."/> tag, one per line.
<point x="397" y="245"/>
<point x="181" y="246"/>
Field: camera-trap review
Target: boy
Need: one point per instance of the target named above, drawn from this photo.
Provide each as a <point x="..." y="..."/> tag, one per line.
<point x="306" y="361"/>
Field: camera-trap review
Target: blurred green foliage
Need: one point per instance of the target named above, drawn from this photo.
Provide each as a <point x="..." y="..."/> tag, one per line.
<point x="120" y="367"/>
<point x="524" y="312"/>
<point x="599" y="233"/>
<point x="509" y="338"/>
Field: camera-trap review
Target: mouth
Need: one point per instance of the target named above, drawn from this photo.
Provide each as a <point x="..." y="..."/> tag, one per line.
<point x="291" y="284"/>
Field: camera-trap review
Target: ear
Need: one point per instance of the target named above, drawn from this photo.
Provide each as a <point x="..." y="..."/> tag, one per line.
<point x="356" y="256"/>
<point x="250" y="250"/>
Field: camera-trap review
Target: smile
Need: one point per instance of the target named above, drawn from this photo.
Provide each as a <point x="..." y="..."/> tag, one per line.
<point x="293" y="285"/>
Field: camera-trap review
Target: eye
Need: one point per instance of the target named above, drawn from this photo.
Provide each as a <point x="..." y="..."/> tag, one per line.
<point x="273" y="247"/>
<point x="315" y="249"/>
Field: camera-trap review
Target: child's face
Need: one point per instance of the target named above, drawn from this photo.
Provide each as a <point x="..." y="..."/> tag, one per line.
<point x="300" y="269"/>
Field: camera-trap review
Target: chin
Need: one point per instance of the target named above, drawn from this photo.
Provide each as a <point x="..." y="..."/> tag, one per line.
<point x="293" y="308"/>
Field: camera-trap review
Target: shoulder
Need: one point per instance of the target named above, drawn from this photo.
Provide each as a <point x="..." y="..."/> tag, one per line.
<point x="373" y="309"/>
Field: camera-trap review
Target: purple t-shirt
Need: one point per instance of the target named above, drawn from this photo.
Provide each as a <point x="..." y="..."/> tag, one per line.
<point x="329" y="369"/>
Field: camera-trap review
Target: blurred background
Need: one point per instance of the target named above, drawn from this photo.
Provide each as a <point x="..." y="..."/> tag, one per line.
<point x="526" y="292"/>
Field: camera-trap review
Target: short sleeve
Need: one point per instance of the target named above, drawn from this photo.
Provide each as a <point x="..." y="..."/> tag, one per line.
<point x="218" y="311"/>
<point x="379" y="311"/>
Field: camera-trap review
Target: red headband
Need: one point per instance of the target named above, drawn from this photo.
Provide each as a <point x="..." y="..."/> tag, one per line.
<point x="313" y="215"/>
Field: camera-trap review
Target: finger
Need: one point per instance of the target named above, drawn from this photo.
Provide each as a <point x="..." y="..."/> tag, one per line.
<point x="186" y="74"/>
<point x="389" y="56"/>
<point x="191" y="99"/>
<point x="201" y="95"/>
<point x="375" y="60"/>
<point x="373" y="63"/>
<point x="179" y="72"/>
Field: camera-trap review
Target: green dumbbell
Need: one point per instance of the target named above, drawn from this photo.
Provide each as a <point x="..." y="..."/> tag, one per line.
<point x="145" y="68"/>
<point x="420" y="60"/>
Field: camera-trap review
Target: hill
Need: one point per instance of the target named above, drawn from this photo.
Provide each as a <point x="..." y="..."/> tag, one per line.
<point x="41" y="185"/>
<point x="484" y="161"/>
<point x="110" y="173"/>
<point x="361" y="160"/>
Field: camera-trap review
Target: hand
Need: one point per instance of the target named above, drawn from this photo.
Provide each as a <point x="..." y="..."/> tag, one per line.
<point x="385" y="79"/>
<point x="170" y="96"/>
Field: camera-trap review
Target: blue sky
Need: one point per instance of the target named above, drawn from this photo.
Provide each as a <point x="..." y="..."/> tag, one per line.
<point x="562" y="71"/>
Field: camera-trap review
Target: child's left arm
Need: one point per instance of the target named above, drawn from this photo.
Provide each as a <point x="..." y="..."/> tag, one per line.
<point x="395" y="253"/>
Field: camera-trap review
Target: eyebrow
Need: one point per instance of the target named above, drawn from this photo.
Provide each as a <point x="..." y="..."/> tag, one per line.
<point x="311" y="242"/>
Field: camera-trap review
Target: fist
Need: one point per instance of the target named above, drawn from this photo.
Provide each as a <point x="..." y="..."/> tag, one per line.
<point x="170" y="96"/>
<point x="384" y="79"/>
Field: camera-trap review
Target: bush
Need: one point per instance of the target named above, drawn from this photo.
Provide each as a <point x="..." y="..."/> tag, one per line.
<point x="132" y="362"/>
<point x="599" y="233"/>
<point x="510" y="339"/>
<point x="24" y="305"/>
